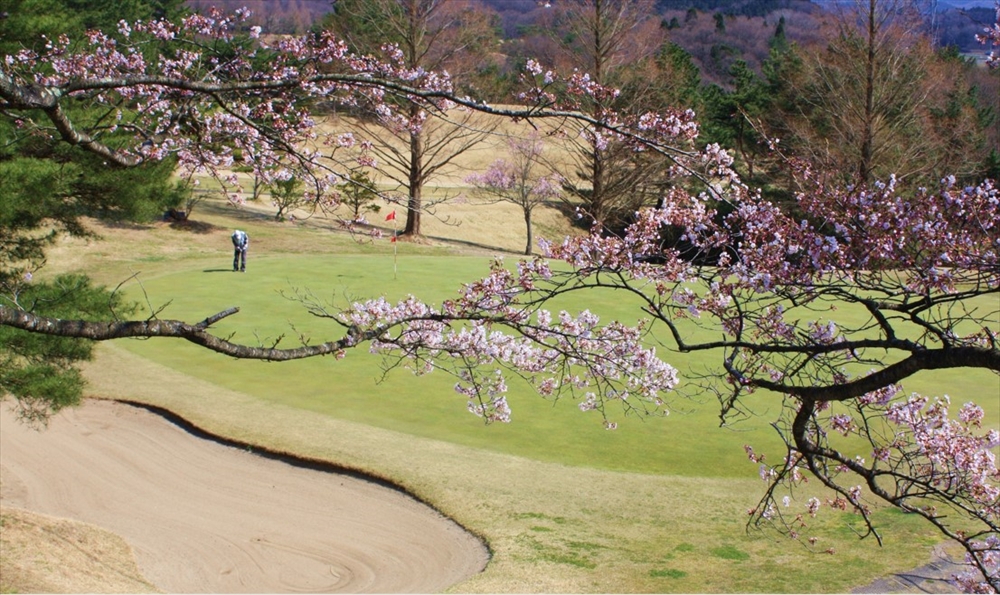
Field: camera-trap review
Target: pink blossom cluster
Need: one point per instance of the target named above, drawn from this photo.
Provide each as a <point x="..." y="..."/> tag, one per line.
<point x="984" y="555"/>
<point x="204" y="105"/>
<point x="518" y="179"/>
<point x="493" y="327"/>
<point x="991" y="35"/>
<point x="579" y="97"/>
<point x="954" y="456"/>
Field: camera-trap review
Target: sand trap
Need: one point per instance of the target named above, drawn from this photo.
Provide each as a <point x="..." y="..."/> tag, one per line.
<point x="204" y="517"/>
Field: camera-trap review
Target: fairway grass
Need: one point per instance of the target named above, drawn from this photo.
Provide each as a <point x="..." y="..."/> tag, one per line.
<point x="657" y="506"/>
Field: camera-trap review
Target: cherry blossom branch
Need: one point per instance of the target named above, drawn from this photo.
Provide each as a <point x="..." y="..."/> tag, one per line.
<point x="195" y="333"/>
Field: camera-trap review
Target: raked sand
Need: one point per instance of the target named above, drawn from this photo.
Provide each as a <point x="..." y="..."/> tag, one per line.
<point x="204" y="517"/>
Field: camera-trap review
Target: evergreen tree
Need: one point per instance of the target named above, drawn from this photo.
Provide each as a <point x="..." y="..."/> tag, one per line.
<point x="678" y="80"/>
<point x="779" y="41"/>
<point x="732" y="116"/>
<point x="47" y="189"/>
<point x="359" y="195"/>
<point x="38" y="370"/>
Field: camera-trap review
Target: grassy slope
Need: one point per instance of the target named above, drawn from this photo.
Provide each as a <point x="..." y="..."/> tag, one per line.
<point x="41" y="554"/>
<point x="565" y="505"/>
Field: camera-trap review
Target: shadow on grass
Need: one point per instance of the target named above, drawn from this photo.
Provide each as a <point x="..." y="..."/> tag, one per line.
<point x="468" y="244"/>
<point x="194" y="226"/>
<point x="223" y="208"/>
<point x="115" y="224"/>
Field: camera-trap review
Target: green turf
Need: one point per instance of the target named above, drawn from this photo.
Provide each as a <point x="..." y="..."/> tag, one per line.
<point x="354" y="388"/>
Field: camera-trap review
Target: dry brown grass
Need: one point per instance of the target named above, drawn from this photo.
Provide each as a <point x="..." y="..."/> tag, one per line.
<point x="41" y="554"/>
<point x="459" y="218"/>
<point x="553" y="133"/>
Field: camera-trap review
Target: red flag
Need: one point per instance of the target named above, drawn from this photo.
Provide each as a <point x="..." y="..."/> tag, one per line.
<point x="391" y="216"/>
<point x="393" y="240"/>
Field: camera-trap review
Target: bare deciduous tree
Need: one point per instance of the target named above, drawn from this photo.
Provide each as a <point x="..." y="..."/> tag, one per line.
<point x="432" y="35"/>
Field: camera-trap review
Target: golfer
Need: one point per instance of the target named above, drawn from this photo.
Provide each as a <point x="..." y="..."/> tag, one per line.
<point x="241" y="241"/>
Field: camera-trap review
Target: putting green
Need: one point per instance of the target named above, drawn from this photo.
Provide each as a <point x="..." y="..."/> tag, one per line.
<point x="354" y="388"/>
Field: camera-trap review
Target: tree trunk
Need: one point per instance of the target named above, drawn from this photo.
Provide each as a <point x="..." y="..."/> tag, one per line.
<point x="867" y="140"/>
<point x="527" y="225"/>
<point x="415" y="178"/>
<point x="416" y="183"/>
<point x="597" y="198"/>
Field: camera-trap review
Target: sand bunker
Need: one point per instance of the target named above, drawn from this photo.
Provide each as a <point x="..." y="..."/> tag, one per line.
<point x="204" y="517"/>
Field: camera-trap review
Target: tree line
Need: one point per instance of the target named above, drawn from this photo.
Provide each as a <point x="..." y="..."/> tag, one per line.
<point x="867" y="95"/>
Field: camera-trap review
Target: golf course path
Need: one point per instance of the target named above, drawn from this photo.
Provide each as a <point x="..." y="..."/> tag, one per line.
<point x="205" y="517"/>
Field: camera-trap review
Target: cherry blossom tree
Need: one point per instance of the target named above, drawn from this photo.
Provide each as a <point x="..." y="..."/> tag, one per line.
<point x="821" y="317"/>
<point x="517" y="180"/>
<point x="206" y="89"/>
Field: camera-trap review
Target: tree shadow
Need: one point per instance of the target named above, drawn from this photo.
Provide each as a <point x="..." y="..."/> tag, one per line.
<point x="118" y="224"/>
<point x="199" y="227"/>
<point x="568" y="209"/>
<point x="455" y="242"/>
<point x="173" y="221"/>
<point x="247" y="213"/>
<point x="934" y="577"/>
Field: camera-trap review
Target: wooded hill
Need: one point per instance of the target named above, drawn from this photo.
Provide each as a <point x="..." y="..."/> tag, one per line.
<point x="955" y="24"/>
<point x="715" y="32"/>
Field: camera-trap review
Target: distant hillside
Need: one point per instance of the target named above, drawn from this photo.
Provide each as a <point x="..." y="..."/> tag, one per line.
<point x="956" y="24"/>
<point x="958" y="27"/>
<point x="942" y="5"/>
<point x="275" y="16"/>
<point x="964" y="4"/>
<point x="753" y="8"/>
